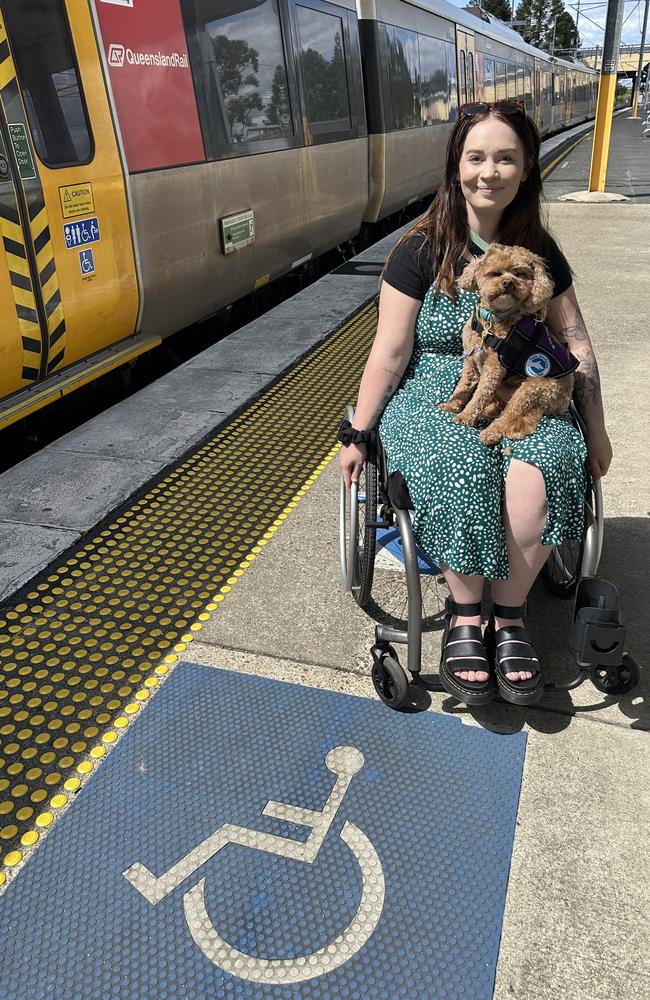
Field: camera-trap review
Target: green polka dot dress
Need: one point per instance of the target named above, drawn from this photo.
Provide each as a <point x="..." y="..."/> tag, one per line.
<point x="456" y="483"/>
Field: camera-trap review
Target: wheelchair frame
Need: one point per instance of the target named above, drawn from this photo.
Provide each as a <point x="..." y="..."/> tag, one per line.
<point x="597" y="636"/>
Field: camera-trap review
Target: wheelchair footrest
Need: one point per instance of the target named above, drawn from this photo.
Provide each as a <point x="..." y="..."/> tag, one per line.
<point x="597" y="635"/>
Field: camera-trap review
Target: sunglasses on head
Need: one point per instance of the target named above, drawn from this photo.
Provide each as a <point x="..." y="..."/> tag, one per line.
<point x="504" y="107"/>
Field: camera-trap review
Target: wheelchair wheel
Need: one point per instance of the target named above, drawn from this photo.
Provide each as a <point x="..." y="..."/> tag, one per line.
<point x="616" y="680"/>
<point x="389" y="679"/>
<point x="357" y="532"/>
<point x="572" y="559"/>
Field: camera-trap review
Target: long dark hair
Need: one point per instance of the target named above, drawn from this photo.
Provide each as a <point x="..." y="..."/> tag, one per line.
<point x="444" y="224"/>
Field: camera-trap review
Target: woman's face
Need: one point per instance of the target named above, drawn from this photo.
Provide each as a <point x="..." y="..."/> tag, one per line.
<point x="492" y="166"/>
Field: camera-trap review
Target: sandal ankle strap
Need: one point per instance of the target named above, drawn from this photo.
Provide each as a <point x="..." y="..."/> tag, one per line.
<point x="468" y="610"/>
<point x="509" y="611"/>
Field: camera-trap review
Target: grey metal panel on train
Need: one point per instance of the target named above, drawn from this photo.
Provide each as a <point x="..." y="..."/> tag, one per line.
<point x="305" y="201"/>
<point x="405" y="165"/>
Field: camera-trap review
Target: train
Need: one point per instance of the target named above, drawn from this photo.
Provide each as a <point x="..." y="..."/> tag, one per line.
<point x="162" y="159"/>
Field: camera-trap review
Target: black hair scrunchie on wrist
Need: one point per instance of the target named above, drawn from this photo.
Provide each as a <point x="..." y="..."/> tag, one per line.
<point x="350" y="435"/>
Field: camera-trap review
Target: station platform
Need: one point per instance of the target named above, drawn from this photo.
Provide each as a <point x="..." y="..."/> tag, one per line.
<point x="187" y="678"/>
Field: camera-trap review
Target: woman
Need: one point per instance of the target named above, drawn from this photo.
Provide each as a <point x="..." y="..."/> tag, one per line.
<point x="480" y="512"/>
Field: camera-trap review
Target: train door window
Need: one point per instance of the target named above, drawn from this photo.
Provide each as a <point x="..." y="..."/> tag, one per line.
<point x="240" y="74"/>
<point x="452" y="81"/>
<point x="501" y="81"/>
<point x="323" y="66"/>
<point x="528" y="88"/>
<point x="404" y="77"/>
<point x="463" y="78"/>
<point x="434" y="96"/>
<point x="49" y="81"/>
<point x="520" y="83"/>
<point x="489" y="80"/>
<point x="470" y="75"/>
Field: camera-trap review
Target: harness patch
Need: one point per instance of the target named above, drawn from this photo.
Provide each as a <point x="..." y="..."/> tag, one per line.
<point x="537" y="365"/>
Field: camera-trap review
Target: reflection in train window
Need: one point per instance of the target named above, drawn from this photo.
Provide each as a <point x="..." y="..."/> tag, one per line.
<point x="49" y="82"/>
<point x="528" y="92"/>
<point x="403" y="75"/>
<point x="520" y="83"/>
<point x="470" y="76"/>
<point x="488" y="80"/>
<point x="244" y="76"/>
<point x="463" y="78"/>
<point x="433" y="75"/>
<point x="322" y="59"/>
<point x="501" y="81"/>
<point x="452" y="77"/>
<point x="512" y="80"/>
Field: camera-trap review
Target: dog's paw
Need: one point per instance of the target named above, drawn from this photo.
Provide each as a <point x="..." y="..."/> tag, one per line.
<point x="451" y="406"/>
<point x="520" y="427"/>
<point x="466" y="418"/>
<point x="490" y="435"/>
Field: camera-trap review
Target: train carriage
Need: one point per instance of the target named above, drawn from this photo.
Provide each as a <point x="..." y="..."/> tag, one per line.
<point x="160" y="159"/>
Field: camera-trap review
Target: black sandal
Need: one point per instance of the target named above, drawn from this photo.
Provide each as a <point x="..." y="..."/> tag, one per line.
<point x="509" y="649"/>
<point x="465" y="641"/>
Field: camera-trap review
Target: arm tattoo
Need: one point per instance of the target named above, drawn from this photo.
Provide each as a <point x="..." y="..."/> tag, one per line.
<point x="587" y="382"/>
<point x="390" y="390"/>
<point x="577" y="332"/>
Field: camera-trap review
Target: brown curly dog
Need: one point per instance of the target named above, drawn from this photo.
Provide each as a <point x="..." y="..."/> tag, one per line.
<point x="509" y="280"/>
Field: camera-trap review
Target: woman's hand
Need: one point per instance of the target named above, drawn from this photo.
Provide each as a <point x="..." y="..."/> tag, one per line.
<point x="353" y="459"/>
<point x="599" y="451"/>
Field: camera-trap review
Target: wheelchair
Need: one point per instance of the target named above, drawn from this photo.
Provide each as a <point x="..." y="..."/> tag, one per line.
<point x="374" y="509"/>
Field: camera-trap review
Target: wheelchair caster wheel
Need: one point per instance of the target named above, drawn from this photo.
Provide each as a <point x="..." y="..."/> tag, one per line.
<point x="616" y="680"/>
<point x="390" y="681"/>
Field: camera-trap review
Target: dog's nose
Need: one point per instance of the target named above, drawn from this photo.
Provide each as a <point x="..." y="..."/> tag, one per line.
<point x="507" y="285"/>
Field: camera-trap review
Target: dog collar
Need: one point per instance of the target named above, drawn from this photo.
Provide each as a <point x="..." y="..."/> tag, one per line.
<point x="488" y="314"/>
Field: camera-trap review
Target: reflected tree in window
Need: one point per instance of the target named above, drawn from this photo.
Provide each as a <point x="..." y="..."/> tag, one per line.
<point x="277" y="110"/>
<point x="234" y="58"/>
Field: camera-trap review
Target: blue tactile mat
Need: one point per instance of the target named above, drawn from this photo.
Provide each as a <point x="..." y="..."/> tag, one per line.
<point x="404" y="898"/>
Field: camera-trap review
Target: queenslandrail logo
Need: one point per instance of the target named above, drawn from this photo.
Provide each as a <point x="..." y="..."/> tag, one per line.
<point x="118" y="55"/>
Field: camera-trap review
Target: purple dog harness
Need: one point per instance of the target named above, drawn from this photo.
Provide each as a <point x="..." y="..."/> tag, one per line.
<point x="528" y="350"/>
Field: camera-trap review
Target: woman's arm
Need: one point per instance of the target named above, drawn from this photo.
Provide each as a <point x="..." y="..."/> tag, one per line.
<point x="567" y="324"/>
<point x="390" y="354"/>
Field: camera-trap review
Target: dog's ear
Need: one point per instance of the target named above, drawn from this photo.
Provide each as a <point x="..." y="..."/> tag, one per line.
<point x="541" y="289"/>
<point x="468" y="279"/>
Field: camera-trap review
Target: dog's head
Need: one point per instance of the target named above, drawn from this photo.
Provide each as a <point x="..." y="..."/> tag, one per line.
<point x="509" y="277"/>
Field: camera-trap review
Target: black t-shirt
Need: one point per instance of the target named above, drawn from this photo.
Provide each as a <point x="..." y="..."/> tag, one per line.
<point x="412" y="272"/>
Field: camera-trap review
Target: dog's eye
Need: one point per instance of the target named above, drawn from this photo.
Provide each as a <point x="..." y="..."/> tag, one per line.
<point x="493" y="274"/>
<point x="522" y="274"/>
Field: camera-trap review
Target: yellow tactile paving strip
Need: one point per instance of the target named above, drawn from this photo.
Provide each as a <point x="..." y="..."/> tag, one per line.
<point x="86" y="646"/>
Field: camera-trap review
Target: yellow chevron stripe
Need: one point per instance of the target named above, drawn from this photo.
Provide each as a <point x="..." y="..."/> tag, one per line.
<point x="54" y="321"/>
<point x="49" y="288"/>
<point x="22" y="297"/>
<point x="44" y="257"/>
<point x="18" y="264"/>
<point x="12" y="231"/>
<point x="7" y="71"/>
<point x="38" y="224"/>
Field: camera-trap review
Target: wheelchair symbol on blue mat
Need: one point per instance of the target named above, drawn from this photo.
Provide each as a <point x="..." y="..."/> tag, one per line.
<point x="86" y="261"/>
<point x="344" y="762"/>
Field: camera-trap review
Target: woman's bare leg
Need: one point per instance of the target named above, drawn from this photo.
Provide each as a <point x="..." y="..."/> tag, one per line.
<point x="465" y="590"/>
<point x="524" y="516"/>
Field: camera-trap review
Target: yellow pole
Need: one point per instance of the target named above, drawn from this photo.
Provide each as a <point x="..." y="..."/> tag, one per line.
<point x="602" y="131"/>
<point x="606" y="94"/>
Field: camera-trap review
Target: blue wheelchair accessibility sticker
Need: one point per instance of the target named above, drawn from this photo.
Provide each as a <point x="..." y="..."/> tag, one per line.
<point x="86" y="261"/>
<point x="253" y="838"/>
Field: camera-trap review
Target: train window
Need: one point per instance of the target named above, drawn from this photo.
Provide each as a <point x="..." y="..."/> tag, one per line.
<point x="528" y="88"/>
<point x="322" y="59"/>
<point x="463" y="77"/>
<point x="433" y="74"/>
<point x="403" y="75"/>
<point x="512" y="80"/>
<point x="470" y="75"/>
<point x="240" y="74"/>
<point x="520" y="83"/>
<point x="452" y="81"/>
<point x="489" y="80"/>
<point x="501" y="81"/>
<point x="49" y="81"/>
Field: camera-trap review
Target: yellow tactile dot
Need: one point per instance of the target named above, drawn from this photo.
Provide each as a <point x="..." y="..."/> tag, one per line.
<point x="8" y="832"/>
<point x="58" y="801"/>
<point x="85" y="767"/>
<point x="120" y="722"/>
<point x="12" y="859"/>
<point x="72" y="784"/>
<point x="161" y="670"/>
<point x="25" y="813"/>
<point x="110" y="737"/>
<point x="29" y="839"/>
<point x="44" y="819"/>
<point x="3" y="878"/>
<point x="131" y="709"/>
<point x="98" y="752"/>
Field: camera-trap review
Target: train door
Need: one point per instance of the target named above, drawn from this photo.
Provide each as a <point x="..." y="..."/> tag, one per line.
<point x="467" y="83"/>
<point x="68" y="270"/>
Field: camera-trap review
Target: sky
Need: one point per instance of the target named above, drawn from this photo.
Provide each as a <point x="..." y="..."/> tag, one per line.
<point x="592" y="34"/>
